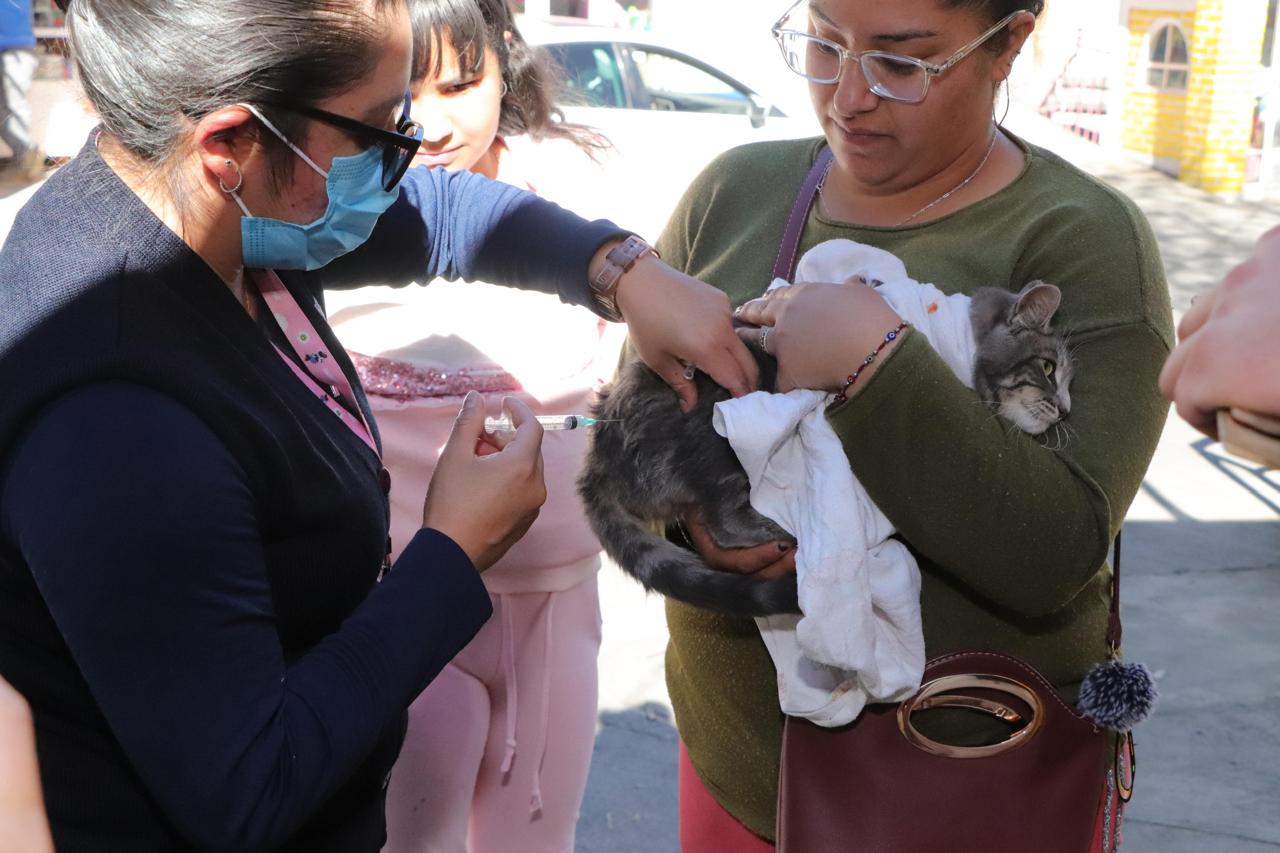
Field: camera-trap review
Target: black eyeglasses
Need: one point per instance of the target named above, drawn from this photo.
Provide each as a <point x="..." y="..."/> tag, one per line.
<point x="398" y="146"/>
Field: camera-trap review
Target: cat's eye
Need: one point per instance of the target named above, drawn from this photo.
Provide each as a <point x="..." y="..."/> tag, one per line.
<point x="1049" y="367"/>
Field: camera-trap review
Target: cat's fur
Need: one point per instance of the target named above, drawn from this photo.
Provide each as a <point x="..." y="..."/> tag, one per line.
<point x="1022" y="366"/>
<point x="649" y="463"/>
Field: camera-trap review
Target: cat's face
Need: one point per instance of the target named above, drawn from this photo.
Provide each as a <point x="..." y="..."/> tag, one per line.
<point x="1023" y="368"/>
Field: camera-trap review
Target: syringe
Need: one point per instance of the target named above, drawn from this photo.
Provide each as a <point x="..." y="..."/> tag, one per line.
<point x="549" y="422"/>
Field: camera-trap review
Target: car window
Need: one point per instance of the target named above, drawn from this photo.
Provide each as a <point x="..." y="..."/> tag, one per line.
<point x="670" y="83"/>
<point x="591" y="72"/>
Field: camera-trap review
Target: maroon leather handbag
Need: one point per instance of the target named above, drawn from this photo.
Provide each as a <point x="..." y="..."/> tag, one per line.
<point x="880" y="785"/>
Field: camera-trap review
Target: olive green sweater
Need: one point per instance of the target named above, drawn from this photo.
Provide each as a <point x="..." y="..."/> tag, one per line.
<point x="1011" y="537"/>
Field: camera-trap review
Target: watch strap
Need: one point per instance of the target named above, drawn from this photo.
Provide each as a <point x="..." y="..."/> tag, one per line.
<point x="619" y="260"/>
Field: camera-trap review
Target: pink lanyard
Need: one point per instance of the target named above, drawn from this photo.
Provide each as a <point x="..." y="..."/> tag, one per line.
<point x="309" y="346"/>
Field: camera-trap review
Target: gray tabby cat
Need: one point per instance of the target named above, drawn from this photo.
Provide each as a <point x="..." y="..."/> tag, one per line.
<point x="651" y="463"/>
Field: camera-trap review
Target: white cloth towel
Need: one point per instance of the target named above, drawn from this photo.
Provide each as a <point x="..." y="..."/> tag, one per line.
<point x="859" y="637"/>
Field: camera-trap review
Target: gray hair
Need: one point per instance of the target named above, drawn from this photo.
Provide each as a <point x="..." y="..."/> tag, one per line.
<point x="153" y="67"/>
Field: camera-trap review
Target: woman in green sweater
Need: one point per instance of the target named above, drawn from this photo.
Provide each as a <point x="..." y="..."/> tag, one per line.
<point x="1011" y="536"/>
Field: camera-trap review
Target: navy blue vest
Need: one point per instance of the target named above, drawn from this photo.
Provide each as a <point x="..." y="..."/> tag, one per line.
<point x="94" y="287"/>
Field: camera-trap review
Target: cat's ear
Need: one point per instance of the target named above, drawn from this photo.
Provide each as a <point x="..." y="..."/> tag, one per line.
<point x="990" y="307"/>
<point x="1035" y="306"/>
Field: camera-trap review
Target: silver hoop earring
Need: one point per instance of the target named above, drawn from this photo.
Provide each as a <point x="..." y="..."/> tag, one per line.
<point x="239" y="179"/>
<point x="504" y="89"/>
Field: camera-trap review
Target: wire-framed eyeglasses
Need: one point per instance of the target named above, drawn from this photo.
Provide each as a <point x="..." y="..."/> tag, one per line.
<point x="398" y="146"/>
<point x="891" y="76"/>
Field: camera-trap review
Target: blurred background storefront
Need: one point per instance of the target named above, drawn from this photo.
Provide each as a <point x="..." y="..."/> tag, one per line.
<point x="1191" y="87"/>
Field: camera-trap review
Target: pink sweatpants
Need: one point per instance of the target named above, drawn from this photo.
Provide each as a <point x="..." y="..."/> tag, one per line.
<point x="499" y="745"/>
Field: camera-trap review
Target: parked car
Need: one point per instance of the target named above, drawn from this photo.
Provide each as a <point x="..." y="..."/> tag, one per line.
<point x="667" y="112"/>
<point x="618" y="69"/>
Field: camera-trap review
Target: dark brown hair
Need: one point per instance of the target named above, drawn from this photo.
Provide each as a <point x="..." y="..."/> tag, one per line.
<point x="528" y="73"/>
<point x="995" y="10"/>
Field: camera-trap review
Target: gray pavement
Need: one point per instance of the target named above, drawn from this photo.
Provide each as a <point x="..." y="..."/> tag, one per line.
<point x="1202" y="579"/>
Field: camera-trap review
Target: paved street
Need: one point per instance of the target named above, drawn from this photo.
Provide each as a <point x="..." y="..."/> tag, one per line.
<point x="1202" y="580"/>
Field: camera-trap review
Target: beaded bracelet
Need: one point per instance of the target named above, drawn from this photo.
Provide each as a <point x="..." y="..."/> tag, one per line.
<point x="853" y="377"/>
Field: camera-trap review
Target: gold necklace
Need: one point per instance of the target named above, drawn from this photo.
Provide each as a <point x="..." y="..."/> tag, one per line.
<point x="940" y="199"/>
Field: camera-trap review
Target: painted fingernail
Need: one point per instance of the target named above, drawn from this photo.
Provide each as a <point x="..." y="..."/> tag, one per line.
<point x="469" y="402"/>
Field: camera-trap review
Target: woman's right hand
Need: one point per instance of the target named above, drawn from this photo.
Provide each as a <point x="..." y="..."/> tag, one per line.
<point x="487" y="489"/>
<point x="769" y="560"/>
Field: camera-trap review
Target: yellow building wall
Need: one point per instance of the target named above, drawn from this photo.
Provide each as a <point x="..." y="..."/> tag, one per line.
<point x="1201" y="134"/>
<point x="1154" y="121"/>
<point x="1225" y="51"/>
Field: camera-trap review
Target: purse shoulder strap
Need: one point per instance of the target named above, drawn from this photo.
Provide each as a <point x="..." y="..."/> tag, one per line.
<point x="784" y="267"/>
<point x="1115" y="631"/>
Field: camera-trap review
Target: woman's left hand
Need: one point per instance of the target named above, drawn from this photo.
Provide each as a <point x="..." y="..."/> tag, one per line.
<point x="764" y="561"/>
<point x="820" y="333"/>
<point x="676" y="321"/>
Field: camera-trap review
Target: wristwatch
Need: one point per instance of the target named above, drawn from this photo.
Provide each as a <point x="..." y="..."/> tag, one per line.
<point x="620" y="259"/>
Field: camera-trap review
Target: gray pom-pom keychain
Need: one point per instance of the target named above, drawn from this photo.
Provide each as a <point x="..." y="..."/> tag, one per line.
<point x="1116" y="695"/>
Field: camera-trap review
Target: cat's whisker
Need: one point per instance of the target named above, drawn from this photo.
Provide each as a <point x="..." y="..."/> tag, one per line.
<point x="992" y="408"/>
<point x="1065" y="433"/>
<point x="1059" y="436"/>
<point x="988" y="405"/>
<point x="1071" y="433"/>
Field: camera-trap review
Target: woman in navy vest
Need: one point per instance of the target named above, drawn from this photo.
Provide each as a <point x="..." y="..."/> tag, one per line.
<point x="192" y="506"/>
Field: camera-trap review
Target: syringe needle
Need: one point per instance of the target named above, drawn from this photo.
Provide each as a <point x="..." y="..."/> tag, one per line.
<point x="551" y="423"/>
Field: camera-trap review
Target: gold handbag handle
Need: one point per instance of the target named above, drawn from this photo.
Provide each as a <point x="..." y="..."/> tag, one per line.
<point x="972" y="703"/>
<point x="942" y="693"/>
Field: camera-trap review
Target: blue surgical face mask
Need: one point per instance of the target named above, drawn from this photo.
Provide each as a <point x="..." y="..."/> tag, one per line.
<point x="356" y="200"/>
